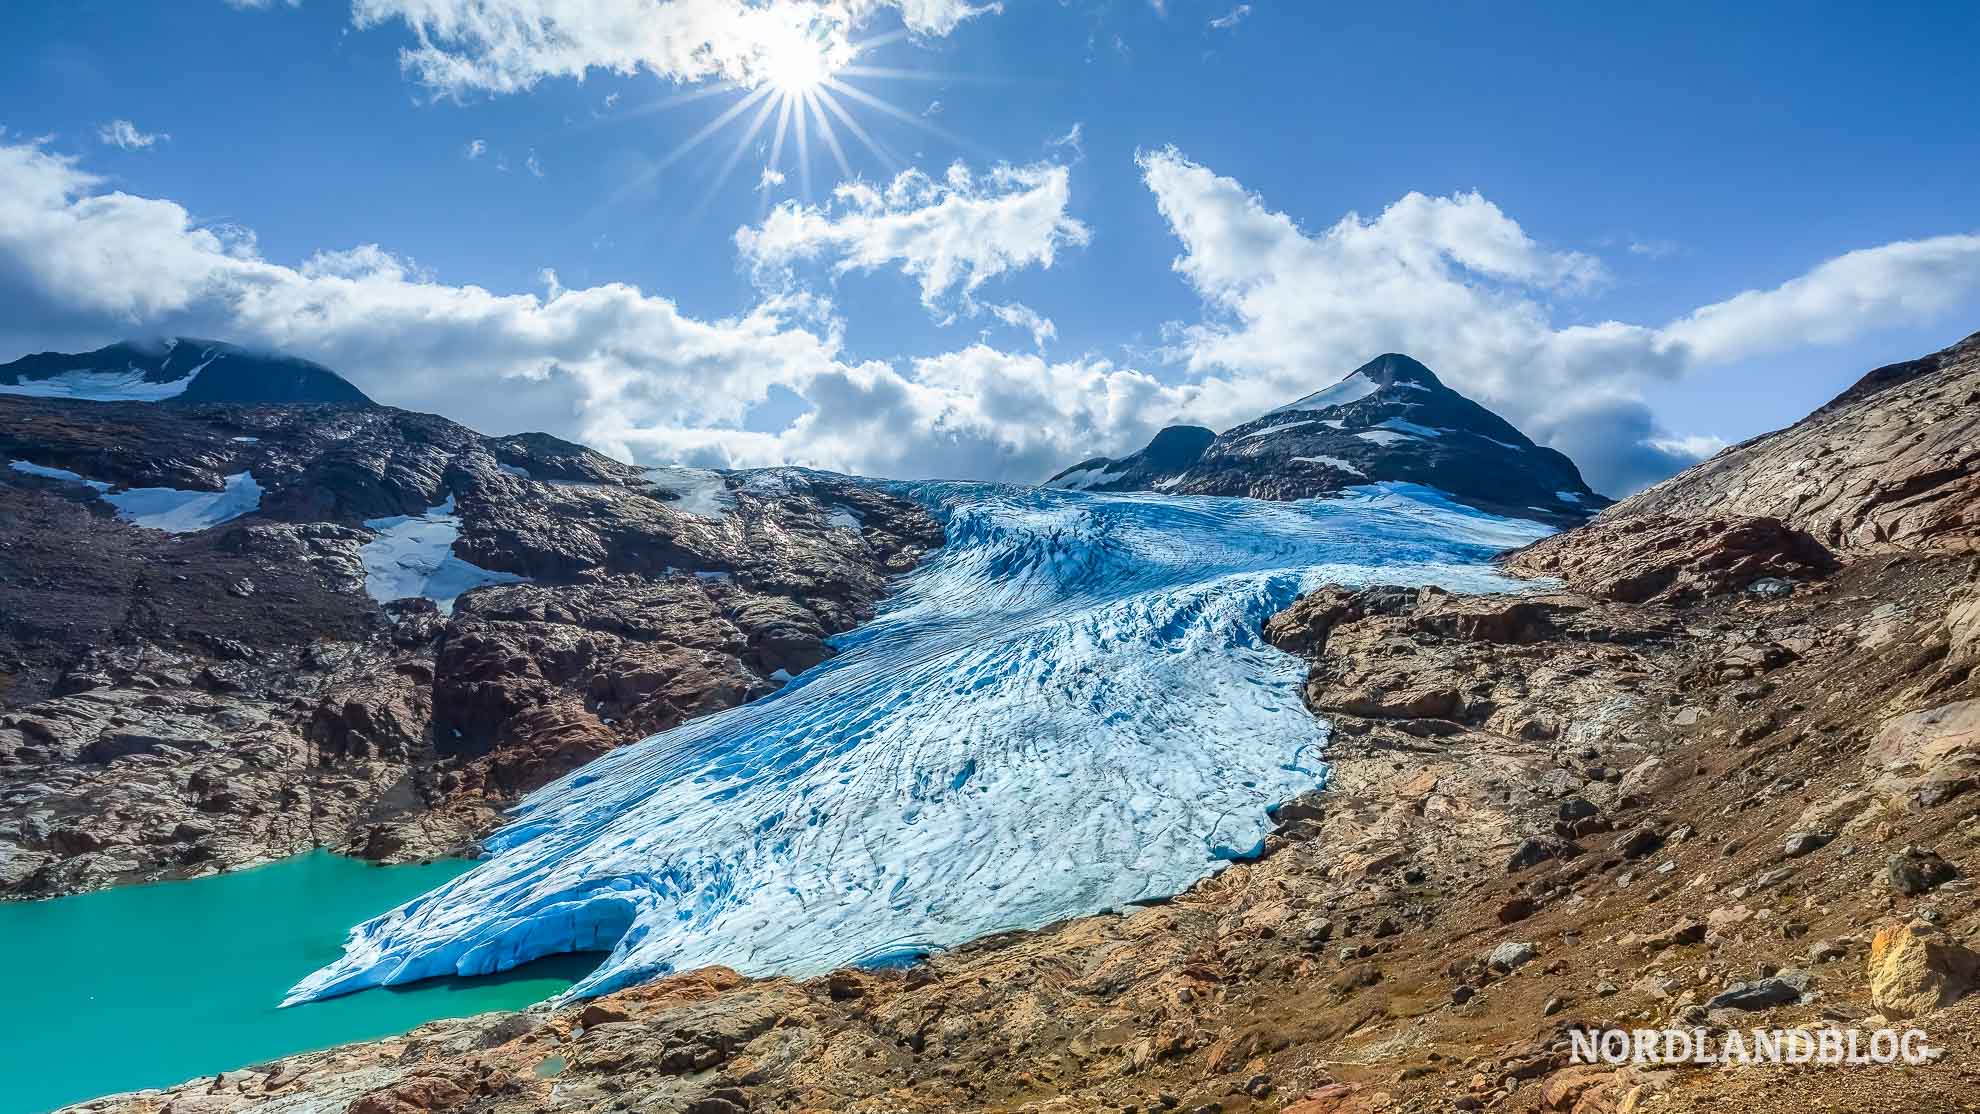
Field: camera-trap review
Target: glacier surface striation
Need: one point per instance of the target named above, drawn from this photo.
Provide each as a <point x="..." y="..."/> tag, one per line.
<point x="1066" y="709"/>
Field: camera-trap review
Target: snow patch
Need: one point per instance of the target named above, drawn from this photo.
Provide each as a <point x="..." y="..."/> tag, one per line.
<point x="1384" y="437"/>
<point x="1352" y="389"/>
<point x="845" y="518"/>
<point x="165" y="508"/>
<point x="1067" y="708"/>
<point x="1280" y="428"/>
<point x="413" y="555"/>
<point x="128" y="385"/>
<point x="245" y="440"/>
<point x="48" y="473"/>
<point x="698" y="491"/>
<point x="1171" y="482"/>
<point x="512" y="470"/>
<point x="183" y="512"/>
<point x="1331" y="462"/>
<point x="1567" y="497"/>
<point x="1501" y="444"/>
<point x="1401" y="426"/>
<point x="1087" y="477"/>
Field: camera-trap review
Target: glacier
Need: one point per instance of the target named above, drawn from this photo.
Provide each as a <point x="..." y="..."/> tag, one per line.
<point x="1066" y="709"/>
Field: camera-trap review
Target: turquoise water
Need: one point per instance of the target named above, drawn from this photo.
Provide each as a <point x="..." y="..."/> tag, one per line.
<point x="146" y="986"/>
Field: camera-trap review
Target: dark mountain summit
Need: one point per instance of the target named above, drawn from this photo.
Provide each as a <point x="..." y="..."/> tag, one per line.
<point x="1389" y="420"/>
<point x="180" y="369"/>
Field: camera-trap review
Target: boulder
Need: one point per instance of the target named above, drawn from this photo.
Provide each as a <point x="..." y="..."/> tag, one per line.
<point x="1511" y="955"/>
<point x="1916" y="968"/>
<point x="1916" y="870"/>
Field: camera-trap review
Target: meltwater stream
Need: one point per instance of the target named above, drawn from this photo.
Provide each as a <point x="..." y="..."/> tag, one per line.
<point x="1067" y="708"/>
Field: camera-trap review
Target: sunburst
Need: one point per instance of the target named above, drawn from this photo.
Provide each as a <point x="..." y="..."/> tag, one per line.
<point x="799" y="77"/>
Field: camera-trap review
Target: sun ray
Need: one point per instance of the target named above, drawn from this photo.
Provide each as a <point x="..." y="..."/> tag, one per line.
<point x="646" y="176"/>
<point x="735" y="155"/>
<point x="783" y="126"/>
<point x="880" y="151"/>
<point x="904" y="116"/>
<point x="812" y="97"/>
<point x="663" y="103"/>
<point x="803" y="150"/>
<point x="894" y="73"/>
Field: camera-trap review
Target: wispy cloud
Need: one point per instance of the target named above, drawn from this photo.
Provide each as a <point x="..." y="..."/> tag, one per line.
<point x="125" y="135"/>
<point x="475" y="149"/>
<point x="770" y="179"/>
<point x="1074" y="140"/>
<point x="1231" y="18"/>
<point x="535" y="168"/>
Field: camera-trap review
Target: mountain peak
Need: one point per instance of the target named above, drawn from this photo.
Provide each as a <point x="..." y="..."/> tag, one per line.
<point x="177" y="369"/>
<point x="1389" y="420"/>
<point x="1392" y="368"/>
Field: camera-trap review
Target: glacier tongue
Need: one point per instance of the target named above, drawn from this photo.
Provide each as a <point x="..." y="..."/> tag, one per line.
<point x="1067" y="708"/>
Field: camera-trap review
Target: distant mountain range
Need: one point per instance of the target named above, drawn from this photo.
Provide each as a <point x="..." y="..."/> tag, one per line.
<point x="178" y="369"/>
<point x="1390" y="419"/>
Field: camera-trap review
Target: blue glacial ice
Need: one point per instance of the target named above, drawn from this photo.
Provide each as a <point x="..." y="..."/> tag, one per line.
<point x="1066" y="709"/>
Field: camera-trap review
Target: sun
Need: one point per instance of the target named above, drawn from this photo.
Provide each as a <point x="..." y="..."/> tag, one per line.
<point x="794" y="86"/>
<point x="797" y="63"/>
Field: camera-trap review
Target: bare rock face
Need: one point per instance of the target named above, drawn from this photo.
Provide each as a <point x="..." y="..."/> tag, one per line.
<point x="1645" y="558"/>
<point x="1893" y="463"/>
<point x="178" y="704"/>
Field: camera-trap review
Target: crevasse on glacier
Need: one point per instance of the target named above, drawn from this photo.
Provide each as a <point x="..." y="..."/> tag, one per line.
<point x="1067" y="708"/>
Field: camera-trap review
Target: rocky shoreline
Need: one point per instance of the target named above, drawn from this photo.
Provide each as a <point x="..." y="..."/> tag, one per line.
<point x="1716" y="773"/>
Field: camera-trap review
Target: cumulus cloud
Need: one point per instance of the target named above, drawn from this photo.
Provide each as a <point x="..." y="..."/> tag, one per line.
<point x="506" y="46"/>
<point x="1459" y="284"/>
<point x="125" y="135"/>
<point x="950" y="234"/>
<point x="612" y="365"/>
<point x="1452" y="280"/>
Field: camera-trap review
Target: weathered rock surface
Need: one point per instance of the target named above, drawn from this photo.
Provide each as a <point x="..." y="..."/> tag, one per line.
<point x="177" y="704"/>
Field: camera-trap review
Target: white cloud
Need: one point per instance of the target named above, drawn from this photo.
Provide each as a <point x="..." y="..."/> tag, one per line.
<point x="1231" y="18"/>
<point x="1020" y="316"/>
<point x="958" y="231"/>
<point x="1655" y="249"/>
<point x="535" y="167"/>
<point x="769" y="180"/>
<point x="505" y="46"/>
<point x="1459" y="284"/>
<point x="611" y="365"/>
<point x="476" y="148"/>
<point x="1453" y="280"/>
<point x="260" y="5"/>
<point x="125" y="135"/>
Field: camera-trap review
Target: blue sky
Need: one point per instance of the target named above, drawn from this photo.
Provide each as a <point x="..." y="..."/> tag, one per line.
<point x="1589" y="182"/>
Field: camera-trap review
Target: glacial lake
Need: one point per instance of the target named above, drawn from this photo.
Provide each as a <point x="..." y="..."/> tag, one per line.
<point x="147" y="986"/>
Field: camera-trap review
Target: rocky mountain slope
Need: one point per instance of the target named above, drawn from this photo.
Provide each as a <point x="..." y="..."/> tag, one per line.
<point x="233" y="632"/>
<point x="1743" y="799"/>
<point x="179" y="369"/>
<point x="1390" y="419"/>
